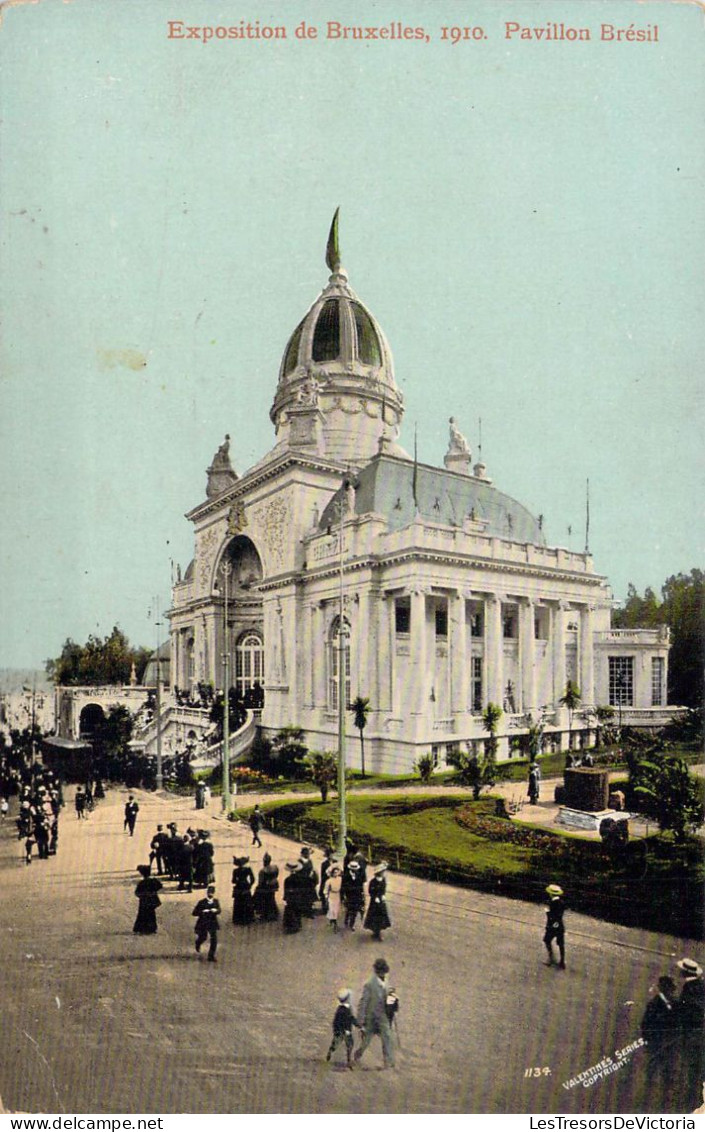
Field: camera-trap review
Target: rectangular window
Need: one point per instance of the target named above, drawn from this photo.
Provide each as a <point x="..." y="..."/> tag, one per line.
<point x="541" y="624"/>
<point x="441" y="621"/>
<point x="477" y="624"/>
<point x="509" y="623"/>
<point x="402" y="617"/>
<point x="621" y="681"/>
<point x="476" y="677"/>
<point x="333" y="676"/>
<point x="657" y="671"/>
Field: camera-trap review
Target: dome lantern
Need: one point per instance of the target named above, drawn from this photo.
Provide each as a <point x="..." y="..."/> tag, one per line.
<point x="337" y="364"/>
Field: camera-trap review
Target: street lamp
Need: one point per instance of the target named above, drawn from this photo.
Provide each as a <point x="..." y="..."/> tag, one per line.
<point x="160" y="775"/>
<point x="342" y="635"/>
<point x="226" y="570"/>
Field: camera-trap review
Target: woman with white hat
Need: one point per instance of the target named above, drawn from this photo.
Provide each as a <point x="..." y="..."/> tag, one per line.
<point x="377" y="918"/>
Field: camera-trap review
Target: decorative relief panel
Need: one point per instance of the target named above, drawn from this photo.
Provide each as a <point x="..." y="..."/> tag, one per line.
<point x="273" y="522"/>
<point x="207" y="547"/>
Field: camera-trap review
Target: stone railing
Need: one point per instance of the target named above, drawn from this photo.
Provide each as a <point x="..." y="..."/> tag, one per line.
<point x="239" y="742"/>
<point x="644" y="637"/>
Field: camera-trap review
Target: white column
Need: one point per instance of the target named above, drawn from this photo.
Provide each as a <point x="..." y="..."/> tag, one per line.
<point x="459" y="667"/>
<point x="494" y="650"/>
<point x="527" y="658"/>
<point x="587" y="663"/>
<point x="363" y="646"/>
<point x="558" y="651"/>
<point x="384" y="661"/>
<point x="419" y="685"/>
<point x="318" y="656"/>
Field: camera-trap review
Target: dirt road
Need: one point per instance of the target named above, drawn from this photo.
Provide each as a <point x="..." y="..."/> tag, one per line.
<point x="97" y="1020"/>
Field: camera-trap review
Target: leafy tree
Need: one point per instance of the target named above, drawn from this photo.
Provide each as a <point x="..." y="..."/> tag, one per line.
<point x="667" y="793"/>
<point x="638" y="612"/>
<point x="604" y="714"/>
<point x="322" y="768"/>
<point x="289" y="752"/>
<point x="476" y="771"/>
<point x="683" y="609"/>
<point x="424" y="767"/>
<point x="361" y="709"/>
<point x="106" y="661"/>
<point x="571" y="699"/>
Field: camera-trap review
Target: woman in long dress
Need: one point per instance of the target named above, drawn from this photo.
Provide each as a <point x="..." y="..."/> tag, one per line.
<point x="243" y="878"/>
<point x="331" y="893"/>
<point x="265" y="893"/>
<point x="292" y="900"/>
<point x="377" y="918"/>
<point x="146" y="892"/>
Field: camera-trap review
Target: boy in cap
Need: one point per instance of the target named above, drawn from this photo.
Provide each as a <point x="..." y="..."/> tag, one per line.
<point x="554" y="925"/>
<point x="343" y="1022"/>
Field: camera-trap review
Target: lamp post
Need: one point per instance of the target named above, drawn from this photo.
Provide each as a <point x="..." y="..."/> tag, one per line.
<point x="160" y="774"/>
<point x="226" y="570"/>
<point x="342" y="635"/>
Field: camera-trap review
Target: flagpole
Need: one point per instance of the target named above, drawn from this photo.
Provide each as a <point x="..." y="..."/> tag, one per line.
<point x="414" y="479"/>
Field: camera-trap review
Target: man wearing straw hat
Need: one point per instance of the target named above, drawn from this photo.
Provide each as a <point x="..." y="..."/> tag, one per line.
<point x="691" y="1017"/>
<point x="554" y="925"/>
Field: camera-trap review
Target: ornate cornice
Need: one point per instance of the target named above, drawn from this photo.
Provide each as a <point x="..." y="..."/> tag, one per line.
<point x="258" y="476"/>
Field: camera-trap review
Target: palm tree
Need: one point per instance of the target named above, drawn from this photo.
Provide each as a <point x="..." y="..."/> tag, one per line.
<point x="490" y="718"/>
<point x="322" y="767"/>
<point x="360" y="707"/>
<point x="571" y="699"/>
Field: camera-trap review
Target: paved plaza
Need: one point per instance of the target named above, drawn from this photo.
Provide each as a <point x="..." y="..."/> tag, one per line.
<point x="96" y="1019"/>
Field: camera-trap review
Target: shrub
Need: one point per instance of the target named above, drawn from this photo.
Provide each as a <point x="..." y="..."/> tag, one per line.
<point x="424" y="767"/>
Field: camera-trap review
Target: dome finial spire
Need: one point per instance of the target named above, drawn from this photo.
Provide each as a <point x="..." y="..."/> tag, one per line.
<point x="332" y="248"/>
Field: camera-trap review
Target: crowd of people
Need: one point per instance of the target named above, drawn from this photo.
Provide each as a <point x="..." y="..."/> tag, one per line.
<point x="348" y="893"/>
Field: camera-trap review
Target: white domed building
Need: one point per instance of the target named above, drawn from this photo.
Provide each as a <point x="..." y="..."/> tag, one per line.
<point x="450" y="596"/>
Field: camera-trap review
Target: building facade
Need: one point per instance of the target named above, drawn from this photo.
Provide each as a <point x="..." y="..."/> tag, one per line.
<point x="446" y="591"/>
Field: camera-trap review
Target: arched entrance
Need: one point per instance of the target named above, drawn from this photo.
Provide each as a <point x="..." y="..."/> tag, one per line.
<point x="245" y="620"/>
<point x="90" y="721"/>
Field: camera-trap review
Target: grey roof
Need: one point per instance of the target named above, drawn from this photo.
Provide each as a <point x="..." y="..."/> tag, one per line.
<point x="385" y="486"/>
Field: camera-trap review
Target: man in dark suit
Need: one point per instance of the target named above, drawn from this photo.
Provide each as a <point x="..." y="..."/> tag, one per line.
<point x="659" y="1029"/>
<point x="131" y="811"/>
<point x="691" y="1020"/>
<point x="207" y="924"/>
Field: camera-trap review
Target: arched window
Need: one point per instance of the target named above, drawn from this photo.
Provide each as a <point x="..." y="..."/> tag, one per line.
<point x="249" y="662"/>
<point x="333" y="658"/>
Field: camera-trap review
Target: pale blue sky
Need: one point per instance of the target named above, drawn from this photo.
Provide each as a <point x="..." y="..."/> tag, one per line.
<point x="524" y="219"/>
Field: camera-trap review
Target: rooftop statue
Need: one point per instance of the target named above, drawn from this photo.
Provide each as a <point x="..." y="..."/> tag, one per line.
<point x="458" y="444"/>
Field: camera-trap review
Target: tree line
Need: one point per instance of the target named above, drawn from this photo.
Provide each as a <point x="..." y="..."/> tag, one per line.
<point x="100" y="661"/>
<point x="682" y="608"/>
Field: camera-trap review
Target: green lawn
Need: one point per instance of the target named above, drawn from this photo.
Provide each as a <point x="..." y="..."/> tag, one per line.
<point x="654" y="884"/>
